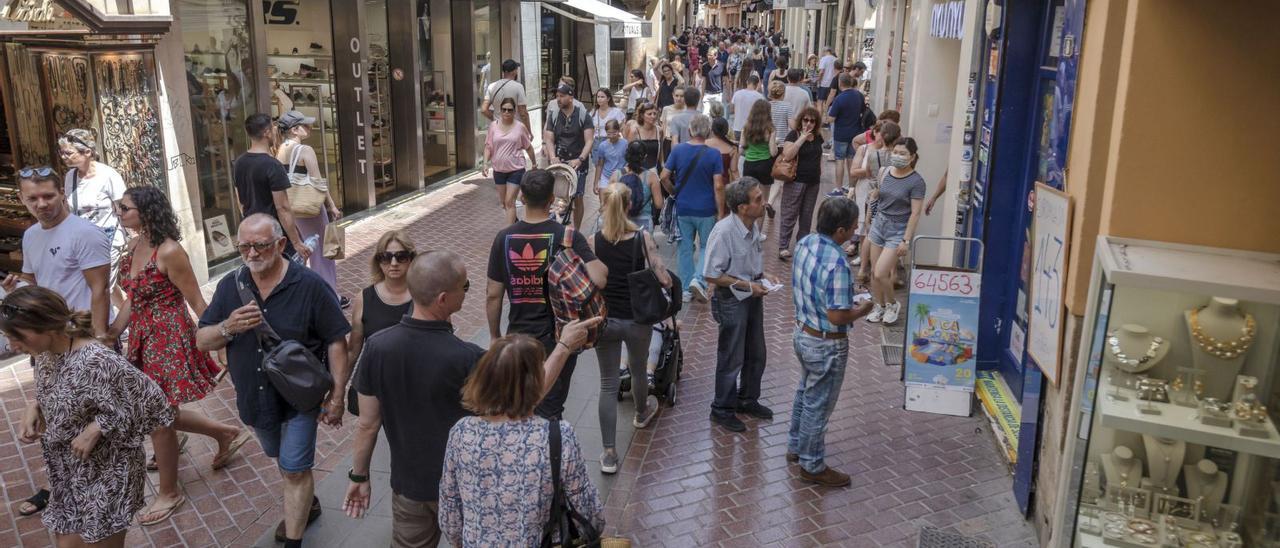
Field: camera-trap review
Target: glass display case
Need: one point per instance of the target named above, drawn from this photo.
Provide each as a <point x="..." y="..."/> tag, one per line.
<point x="1175" y="427"/>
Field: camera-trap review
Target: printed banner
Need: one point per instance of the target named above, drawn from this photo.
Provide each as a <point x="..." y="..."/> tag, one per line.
<point x="941" y="344"/>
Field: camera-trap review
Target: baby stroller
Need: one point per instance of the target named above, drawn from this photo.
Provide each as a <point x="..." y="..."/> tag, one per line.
<point x="566" y="183"/>
<point x="666" y="351"/>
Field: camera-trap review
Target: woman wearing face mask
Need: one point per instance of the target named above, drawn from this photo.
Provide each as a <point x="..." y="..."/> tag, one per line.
<point x="801" y="195"/>
<point x="870" y="159"/>
<point x="505" y="146"/>
<point x="899" y="201"/>
<point x="91" y="412"/>
<point x="300" y="159"/>
<point x="92" y="188"/>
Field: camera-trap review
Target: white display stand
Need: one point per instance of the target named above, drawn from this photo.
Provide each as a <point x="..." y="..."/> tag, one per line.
<point x="1153" y="284"/>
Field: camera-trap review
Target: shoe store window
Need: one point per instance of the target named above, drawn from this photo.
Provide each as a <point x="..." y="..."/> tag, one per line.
<point x="221" y="87"/>
<point x="1177" y="442"/>
<point x="299" y="68"/>
<point x="439" y="129"/>
<point x="379" y="93"/>
<point x="487" y="63"/>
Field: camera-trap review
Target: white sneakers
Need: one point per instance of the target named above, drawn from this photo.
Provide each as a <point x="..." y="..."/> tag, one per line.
<point x="886" y="314"/>
<point x="877" y="313"/>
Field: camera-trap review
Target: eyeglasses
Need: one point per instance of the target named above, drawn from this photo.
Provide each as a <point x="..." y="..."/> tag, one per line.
<point x="68" y="152"/>
<point x="400" y="257"/>
<point x="29" y="172"/>
<point x="260" y="247"/>
<point x="11" y="311"/>
<point x="466" y="286"/>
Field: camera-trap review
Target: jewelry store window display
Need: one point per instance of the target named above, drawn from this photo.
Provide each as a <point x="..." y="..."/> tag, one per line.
<point x="92" y="189"/>
<point x="303" y="167"/>
<point x="1180" y="448"/>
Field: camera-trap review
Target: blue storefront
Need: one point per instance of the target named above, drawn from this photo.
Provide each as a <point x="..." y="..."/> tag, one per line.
<point x="1025" y="92"/>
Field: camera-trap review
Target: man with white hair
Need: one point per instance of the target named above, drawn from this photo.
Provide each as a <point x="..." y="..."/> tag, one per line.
<point x="697" y="186"/>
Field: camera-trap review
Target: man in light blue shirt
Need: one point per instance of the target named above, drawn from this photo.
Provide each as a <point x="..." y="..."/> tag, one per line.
<point x="822" y="290"/>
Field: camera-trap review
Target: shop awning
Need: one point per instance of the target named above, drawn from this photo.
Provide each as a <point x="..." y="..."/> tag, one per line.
<point x="622" y="24"/>
<point x="603" y="11"/>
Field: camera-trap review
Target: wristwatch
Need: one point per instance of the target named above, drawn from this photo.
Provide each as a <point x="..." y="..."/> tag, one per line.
<point x="226" y="334"/>
<point x="357" y="478"/>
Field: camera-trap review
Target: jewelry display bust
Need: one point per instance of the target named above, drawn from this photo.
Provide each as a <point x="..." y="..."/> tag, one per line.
<point x="1220" y="335"/>
<point x="1206" y="483"/>
<point x="1164" y="460"/>
<point x="1121" y="468"/>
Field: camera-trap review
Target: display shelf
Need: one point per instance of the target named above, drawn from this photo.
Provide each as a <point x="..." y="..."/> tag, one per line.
<point x="318" y="81"/>
<point x="1181" y="423"/>
<point x="1194" y="269"/>
<point x="298" y="56"/>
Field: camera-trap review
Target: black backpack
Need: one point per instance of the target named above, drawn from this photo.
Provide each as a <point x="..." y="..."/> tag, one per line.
<point x="638" y="203"/>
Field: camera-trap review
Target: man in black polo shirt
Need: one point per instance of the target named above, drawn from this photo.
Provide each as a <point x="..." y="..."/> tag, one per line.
<point x="518" y="264"/>
<point x="416" y="400"/>
<point x="261" y="182"/>
<point x="299" y="306"/>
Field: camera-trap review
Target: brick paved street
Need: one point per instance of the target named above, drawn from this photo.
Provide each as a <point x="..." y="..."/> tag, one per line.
<point x="682" y="482"/>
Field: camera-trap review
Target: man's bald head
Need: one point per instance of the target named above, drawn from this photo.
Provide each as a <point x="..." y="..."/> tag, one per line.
<point x="433" y="273"/>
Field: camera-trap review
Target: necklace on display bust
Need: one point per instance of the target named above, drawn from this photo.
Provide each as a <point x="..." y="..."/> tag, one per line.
<point x="1227" y="350"/>
<point x="1113" y="344"/>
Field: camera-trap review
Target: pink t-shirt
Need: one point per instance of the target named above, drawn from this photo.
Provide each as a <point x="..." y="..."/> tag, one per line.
<point x="507" y="146"/>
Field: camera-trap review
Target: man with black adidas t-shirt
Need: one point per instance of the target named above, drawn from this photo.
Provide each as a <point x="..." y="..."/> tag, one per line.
<point x="518" y="264"/>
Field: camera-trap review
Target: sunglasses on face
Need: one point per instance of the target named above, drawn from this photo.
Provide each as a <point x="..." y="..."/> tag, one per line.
<point x="11" y="311"/>
<point x="256" y="246"/>
<point x="28" y="172"/>
<point x="508" y="109"/>
<point x="400" y="257"/>
<point x="809" y="121"/>
<point x="124" y="208"/>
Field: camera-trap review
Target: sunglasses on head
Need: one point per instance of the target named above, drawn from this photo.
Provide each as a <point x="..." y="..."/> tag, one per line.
<point x="11" y="311"/>
<point x="76" y="140"/>
<point x="29" y="172"/>
<point x="400" y="257"/>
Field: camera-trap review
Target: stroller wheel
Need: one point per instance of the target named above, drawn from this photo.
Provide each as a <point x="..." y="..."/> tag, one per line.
<point x="671" y="395"/>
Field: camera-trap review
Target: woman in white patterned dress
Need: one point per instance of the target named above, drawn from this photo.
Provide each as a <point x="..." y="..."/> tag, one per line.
<point x="93" y="410"/>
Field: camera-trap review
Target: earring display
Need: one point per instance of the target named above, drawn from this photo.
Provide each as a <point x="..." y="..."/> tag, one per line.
<point x="1213" y="412"/>
<point x="1187" y="386"/>
<point x="1249" y="414"/>
<point x="1151" y="391"/>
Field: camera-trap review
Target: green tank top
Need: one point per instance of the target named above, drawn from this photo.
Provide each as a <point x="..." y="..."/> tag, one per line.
<point x="756" y="152"/>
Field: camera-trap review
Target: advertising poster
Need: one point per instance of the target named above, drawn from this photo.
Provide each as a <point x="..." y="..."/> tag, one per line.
<point x="220" y="243"/>
<point x="942" y="329"/>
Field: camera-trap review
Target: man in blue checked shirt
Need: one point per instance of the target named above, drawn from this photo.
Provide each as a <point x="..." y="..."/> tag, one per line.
<point x="822" y="288"/>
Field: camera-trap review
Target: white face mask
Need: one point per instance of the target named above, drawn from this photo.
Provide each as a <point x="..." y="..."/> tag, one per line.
<point x="899" y="160"/>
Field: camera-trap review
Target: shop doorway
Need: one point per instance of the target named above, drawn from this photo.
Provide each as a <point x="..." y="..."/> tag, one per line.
<point x="379" y="93"/>
<point x="439" y="143"/>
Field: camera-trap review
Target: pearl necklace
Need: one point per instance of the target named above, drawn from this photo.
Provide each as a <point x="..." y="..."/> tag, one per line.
<point x="1227" y="350"/>
<point x="1166" y="450"/>
<point x="1113" y="344"/>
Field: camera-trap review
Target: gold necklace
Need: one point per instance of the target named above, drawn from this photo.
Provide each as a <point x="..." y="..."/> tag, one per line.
<point x="1227" y="350"/>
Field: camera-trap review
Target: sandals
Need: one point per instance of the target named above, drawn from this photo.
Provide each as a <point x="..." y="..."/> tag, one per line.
<point x="220" y="460"/>
<point x="182" y="445"/>
<point x="37" y="501"/>
<point x="165" y="512"/>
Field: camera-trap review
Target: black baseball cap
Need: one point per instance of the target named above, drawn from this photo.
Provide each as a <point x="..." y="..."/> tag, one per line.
<point x="565" y="89"/>
<point x="510" y="65"/>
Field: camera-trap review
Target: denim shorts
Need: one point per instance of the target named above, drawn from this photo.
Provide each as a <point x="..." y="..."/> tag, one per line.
<point x="292" y="443"/>
<point x="508" y="177"/>
<point x="582" y="181"/>
<point x="843" y="149"/>
<point x="887" y="234"/>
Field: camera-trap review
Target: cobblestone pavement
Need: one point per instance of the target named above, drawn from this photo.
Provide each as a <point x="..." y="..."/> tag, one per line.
<point x="682" y="482"/>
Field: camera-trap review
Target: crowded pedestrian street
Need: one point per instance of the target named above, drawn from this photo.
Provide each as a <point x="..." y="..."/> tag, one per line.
<point x="681" y="483"/>
<point x="638" y="273"/>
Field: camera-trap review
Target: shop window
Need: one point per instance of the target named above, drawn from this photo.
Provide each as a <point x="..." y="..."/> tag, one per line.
<point x="439" y="143"/>
<point x="300" y="75"/>
<point x="487" y="62"/>
<point x="379" y="94"/>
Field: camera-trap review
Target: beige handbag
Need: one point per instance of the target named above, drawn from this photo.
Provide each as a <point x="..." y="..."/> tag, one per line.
<point x="335" y="241"/>
<point x="306" y="194"/>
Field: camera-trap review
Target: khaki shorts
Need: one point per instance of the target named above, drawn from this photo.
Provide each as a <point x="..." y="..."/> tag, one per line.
<point x="414" y="524"/>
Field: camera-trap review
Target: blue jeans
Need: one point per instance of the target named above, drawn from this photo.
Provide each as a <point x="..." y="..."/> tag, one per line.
<point x="691" y="268"/>
<point x="740" y="351"/>
<point x="822" y="365"/>
<point x="292" y="443"/>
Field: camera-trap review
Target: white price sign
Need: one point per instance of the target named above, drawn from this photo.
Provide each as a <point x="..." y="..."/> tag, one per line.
<point x="942" y="282"/>
<point x="1050" y="232"/>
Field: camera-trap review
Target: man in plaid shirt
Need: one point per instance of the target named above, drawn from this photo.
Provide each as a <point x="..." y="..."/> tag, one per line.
<point x="822" y="288"/>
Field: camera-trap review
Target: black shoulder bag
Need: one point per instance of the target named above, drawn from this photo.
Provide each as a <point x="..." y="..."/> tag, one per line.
<point x="650" y="302"/>
<point x="668" y="220"/>
<point x="565" y="524"/>
<point x="294" y="371"/>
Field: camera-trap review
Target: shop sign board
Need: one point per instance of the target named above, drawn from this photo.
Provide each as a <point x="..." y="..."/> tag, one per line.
<point x="941" y="346"/>
<point x="1050" y="232"/>
<point x="947" y="20"/>
<point x="626" y="29"/>
<point x="351" y="62"/>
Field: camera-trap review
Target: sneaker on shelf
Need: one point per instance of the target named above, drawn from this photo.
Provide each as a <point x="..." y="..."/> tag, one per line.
<point x="877" y="313"/>
<point x="650" y="411"/>
<point x="837" y="192"/>
<point x="891" y="311"/>
<point x="609" y="462"/>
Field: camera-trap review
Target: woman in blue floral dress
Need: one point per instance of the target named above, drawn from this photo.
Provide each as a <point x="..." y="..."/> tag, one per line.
<point x="496" y="489"/>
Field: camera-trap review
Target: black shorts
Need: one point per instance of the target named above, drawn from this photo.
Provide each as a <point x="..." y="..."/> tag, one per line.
<point x="762" y="170"/>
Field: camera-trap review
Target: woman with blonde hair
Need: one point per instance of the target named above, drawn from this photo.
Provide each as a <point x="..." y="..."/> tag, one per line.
<point x="91" y="412"/>
<point x="496" y="487"/>
<point x="386" y="300"/>
<point x="617" y="246"/>
<point x="92" y="189"/>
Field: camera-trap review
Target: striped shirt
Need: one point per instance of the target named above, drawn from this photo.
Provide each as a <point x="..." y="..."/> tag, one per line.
<point x="820" y="281"/>
<point x="781" y="113"/>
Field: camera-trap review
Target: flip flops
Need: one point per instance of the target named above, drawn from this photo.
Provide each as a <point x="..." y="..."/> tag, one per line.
<point x="165" y="512"/>
<point x="220" y="460"/>
<point x="37" y="501"/>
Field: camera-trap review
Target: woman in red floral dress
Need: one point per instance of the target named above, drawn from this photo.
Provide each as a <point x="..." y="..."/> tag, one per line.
<point x="159" y="283"/>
